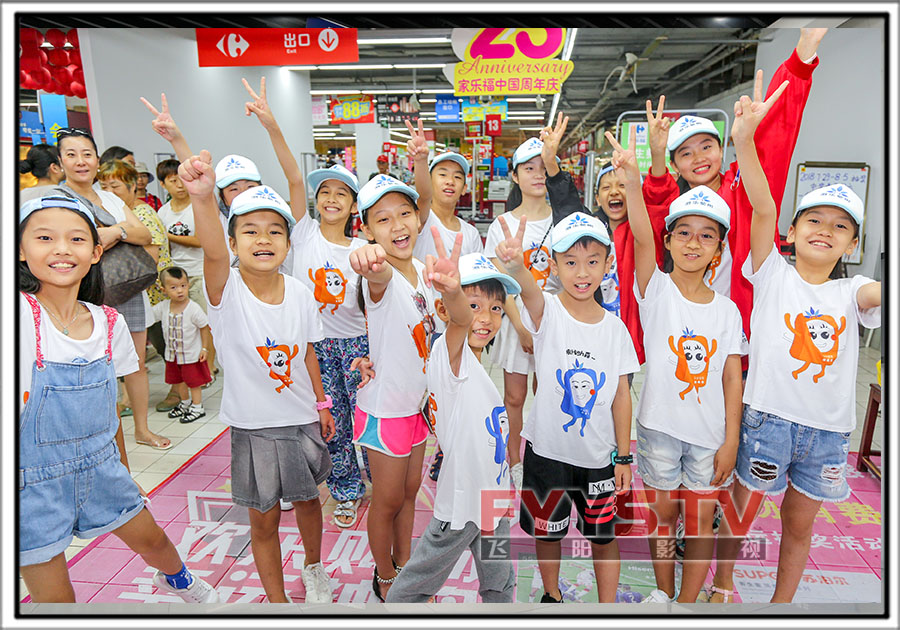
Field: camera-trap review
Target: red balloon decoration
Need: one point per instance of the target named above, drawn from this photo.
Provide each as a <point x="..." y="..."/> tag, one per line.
<point x="58" y="57"/>
<point x="72" y="37"/>
<point x="30" y="36"/>
<point x="29" y="62"/>
<point x="42" y="55"/>
<point x="79" y="90"/>
<point x="78" y="75"/>
<point x="75" y="57"/>
<point x="54" y="87"/>
<point x="55" y="37"/>
<point x="44" y="77"/>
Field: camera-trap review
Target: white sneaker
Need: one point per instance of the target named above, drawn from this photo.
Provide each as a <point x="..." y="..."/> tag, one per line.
<point x="516" y="473"/>
<point x="317" y="583"/>
<point x="199" y="592"/>
<point x="657" y="596"/>
<point x="286" y="505"/>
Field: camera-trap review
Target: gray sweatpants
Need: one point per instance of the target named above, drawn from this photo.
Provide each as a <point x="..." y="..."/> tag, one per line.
<point x="434" y="557"/>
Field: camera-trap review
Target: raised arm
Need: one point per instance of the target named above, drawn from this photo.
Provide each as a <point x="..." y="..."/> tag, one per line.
<point x="747" y="116"/>
<point x="443" y="274"/>
<point x="417" y="149"/>
<point x="551" y="137"/>
<point x="627" y="171"/>
<point x="658" y="137"/>
<point x="165" y="126"/>
<point x="564" y="198"/>
<point x="509" y="252"/>
<point x="296" y="186"/>
<point x="200" y="180"/>
<point x="369" y="262"/>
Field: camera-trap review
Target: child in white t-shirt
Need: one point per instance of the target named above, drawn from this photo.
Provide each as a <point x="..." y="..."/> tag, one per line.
<point x="185" y="329"/>
<point x="578" y="432"/>
<point x="800" y="395"/>
<point x="73" y="475"/>
<point x="689" y="411"/>
<point x="470" y="421"/>
<point x="388" y="419"/>
<point x="265" y="324"/>
<point x="321" y="260"/>
<point x="513" y="349"/>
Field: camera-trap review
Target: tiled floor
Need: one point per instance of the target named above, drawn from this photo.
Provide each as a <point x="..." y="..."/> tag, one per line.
<point x="205" y="485"/>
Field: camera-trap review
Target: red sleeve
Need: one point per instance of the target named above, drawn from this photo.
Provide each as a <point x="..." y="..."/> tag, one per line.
<point x="775" y="140"/>
<point x="659" y="190"/>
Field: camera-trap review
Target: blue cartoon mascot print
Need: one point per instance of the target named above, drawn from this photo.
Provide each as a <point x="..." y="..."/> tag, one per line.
<point x="498" y="427"/>
<point x="580" y="386"/>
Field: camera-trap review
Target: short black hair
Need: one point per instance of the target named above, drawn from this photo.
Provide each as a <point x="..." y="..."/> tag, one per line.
<point x="490" y="288"/>
<point x="584" y="241"/>
<point x="39" y="159"/>
<point x="173" y="272"/>
<point x="115" y="152"/>
<point x="91" y="287"/>
<point x="166" y="168"/>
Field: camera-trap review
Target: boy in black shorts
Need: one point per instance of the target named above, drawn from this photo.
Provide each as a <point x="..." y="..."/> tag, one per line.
<point x="578" y="432"/>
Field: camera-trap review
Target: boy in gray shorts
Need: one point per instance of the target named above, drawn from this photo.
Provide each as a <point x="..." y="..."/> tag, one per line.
<point x="469" y="419"/>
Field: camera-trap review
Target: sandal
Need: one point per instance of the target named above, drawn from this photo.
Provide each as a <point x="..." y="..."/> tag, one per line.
<point x="158" y="444"/>
<point x="709" y="590"/>
<point x="376" y="580"/>
<point x="349" y="509"/>
<point x="435" y="469"/>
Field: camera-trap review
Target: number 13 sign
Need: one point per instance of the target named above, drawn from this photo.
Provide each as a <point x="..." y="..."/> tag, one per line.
<point x="492" y="125"/>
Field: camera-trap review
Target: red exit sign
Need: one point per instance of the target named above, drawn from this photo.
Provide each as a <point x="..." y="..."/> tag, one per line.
<point x="275" y="46"/>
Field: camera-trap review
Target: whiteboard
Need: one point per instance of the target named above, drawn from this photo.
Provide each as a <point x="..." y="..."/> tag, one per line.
<point x="813" y="175"/>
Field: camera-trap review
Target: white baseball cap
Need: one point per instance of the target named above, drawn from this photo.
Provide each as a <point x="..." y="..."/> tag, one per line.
<point x="573" y="227"/>
<point x="453" y="156"/>
<point x="231" y="168"/>
<point x="478" y="267"/>
<point x="703" y="201"/>
<point x="261" y="198"/>
<point x="688" y="126"/>
<point x="337" y="172"/>
<point x="55" y="201"/>
<point x="378" y="187"/>
<point x="527" y="150"/>
<point x="837" y="195"/>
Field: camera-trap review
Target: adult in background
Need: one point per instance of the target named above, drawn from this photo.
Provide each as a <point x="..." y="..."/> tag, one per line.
<point x="42" y="161"/>
<point x="383" y="166"/>
<point x="120" y="178"/>
<point x="80" y="161"/>
<point x="144" y="178"/>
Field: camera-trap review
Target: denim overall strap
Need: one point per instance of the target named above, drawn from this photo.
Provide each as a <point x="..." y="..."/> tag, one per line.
<point x="69" y="420"/>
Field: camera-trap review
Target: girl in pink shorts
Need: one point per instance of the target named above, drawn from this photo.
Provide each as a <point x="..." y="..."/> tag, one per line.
<point x="400" y="321"/>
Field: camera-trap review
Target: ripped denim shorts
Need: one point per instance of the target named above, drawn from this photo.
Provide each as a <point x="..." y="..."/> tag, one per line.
<point x="773" y="450"/>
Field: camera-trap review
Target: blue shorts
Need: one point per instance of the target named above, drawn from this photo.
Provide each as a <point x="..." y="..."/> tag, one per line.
<point x="773" y="451"/>
<point x="667" y="463"/>
<point x="85" y="503"/>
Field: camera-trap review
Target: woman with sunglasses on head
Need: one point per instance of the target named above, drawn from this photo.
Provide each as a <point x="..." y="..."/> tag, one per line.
<point x="80" y="161"/>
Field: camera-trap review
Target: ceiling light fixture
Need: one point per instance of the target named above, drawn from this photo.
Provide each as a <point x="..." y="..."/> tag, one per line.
<point x="400" y="66"/>
<point x="371" y="66"/>
<point x="567" y="54"/>
<point x="387" y="41"/>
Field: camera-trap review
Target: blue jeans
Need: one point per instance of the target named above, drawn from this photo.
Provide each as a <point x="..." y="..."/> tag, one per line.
<point x="773" y="451"/>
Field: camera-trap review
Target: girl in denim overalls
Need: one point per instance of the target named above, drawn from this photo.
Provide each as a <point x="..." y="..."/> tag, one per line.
<point x="71" y="477"/>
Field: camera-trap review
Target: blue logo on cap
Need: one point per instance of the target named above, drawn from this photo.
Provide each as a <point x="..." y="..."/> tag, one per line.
<point x="689" y="121"/>
<point x="837" y="191"/>
<point x="264" y="193"/>
<point x="381" y="181"/>
<point x="483" y="263"/>
<point x="233" y="164"/>
<point x="701" y="199"/>
<point x="577" y="222"/>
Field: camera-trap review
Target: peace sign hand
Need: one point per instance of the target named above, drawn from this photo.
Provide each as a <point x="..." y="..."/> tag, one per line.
<point x="163" y="124"/>
<point x="509" y="251"/>
<point x="748" y="114"/>
<point x="442" y="272"/>
<point x="657" y="127"/>
<point x="259" y="106"/>
<point x="551" y="139"/>
<point x="624" y="160"/>
<point x="417" y="146"/>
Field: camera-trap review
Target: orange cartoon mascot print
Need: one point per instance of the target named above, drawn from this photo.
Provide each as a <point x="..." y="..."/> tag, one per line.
<point x="693" y="353"/>
<point x="330" y="285"/>
<point x="537" y="259"/>
<point x="278" y="358"/>
<point x="432" y="410"/>
<point x="815" y="340"/>
<point x="422" y="331"/>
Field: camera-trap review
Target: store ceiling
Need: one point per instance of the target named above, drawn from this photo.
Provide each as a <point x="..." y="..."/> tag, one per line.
<point x="687" y="58"/>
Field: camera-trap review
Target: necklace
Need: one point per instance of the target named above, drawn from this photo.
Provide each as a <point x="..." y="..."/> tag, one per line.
<point x="65" y="327"/>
